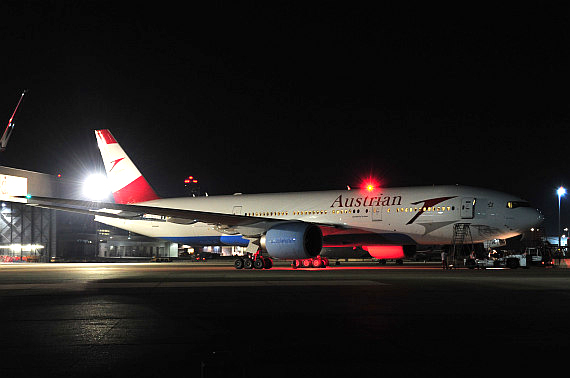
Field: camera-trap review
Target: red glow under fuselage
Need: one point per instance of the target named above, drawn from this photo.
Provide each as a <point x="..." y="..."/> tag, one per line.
<point x="385" y="251"/>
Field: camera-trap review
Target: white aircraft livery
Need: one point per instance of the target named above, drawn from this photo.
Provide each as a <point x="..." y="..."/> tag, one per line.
<point x="387" y="222"/>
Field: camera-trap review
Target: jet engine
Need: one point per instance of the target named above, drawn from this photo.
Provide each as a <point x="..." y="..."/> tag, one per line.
<point x="293" y="240"/>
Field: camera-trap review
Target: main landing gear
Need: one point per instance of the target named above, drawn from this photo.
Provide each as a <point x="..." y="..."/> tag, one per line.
<point x="256" y="262"/>
<point x="316" y="262"/>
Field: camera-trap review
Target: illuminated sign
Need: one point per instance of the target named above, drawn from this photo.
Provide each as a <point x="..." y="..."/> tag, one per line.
<point x="13" y="186"/>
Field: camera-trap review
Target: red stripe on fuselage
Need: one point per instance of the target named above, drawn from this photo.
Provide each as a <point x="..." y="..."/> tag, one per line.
<point x="137" y="191"/>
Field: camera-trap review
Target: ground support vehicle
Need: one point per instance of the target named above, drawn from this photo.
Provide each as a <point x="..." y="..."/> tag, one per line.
<point x="539" y="256"/>
<point x="511" y="262"/>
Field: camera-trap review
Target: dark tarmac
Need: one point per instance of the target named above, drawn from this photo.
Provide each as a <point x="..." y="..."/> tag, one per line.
<point x="209" y="320"/>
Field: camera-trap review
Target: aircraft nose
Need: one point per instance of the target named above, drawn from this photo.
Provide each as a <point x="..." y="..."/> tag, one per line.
<point x="526" y="219"/>
<point x="532" y="218"/>
<point x="539" y="216"/>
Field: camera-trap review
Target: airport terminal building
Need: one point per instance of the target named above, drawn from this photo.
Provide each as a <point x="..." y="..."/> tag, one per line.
<point x="31" y="233"/>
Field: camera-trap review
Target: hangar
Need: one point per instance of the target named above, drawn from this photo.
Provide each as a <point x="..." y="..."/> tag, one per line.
<point x="34" y="234"/>
<point x="26" y="233"/>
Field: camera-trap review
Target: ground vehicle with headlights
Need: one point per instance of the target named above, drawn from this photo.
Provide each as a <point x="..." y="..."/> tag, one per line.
<point x="513" y="261"/>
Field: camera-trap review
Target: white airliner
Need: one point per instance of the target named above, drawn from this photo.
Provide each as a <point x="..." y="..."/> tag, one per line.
<point x="387" y="222"/>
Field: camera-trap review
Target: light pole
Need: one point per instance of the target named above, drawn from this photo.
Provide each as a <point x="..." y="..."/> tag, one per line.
<point x="561" y="191"/>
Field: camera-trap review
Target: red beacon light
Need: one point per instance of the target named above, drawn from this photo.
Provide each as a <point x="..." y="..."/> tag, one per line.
<point x="370" y="185"/>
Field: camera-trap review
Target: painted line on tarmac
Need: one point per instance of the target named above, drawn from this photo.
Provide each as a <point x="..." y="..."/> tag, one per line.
<point x="79" y="286"/>
<point x="272" y="283"/>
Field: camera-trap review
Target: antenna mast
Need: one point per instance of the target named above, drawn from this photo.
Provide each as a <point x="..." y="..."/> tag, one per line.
<point x="10" y="127"/>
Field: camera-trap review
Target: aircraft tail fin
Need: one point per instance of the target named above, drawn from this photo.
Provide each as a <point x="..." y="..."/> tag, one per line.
<point x="127" y="183"/>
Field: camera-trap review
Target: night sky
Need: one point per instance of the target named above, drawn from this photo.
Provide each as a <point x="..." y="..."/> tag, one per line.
<point x="279" y="97"/>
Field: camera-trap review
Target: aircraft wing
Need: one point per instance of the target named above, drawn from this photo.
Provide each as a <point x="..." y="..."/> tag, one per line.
<point x="335" y="235"/>
<point x="124" y="211"/>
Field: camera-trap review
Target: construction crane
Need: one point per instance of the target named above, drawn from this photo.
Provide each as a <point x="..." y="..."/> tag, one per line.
<point x="10" y="127"/>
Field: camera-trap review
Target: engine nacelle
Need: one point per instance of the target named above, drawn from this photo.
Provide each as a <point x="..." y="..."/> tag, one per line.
<point x="293" y="240"/>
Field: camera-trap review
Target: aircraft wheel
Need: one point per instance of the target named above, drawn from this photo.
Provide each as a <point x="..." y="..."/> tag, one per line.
<point x="258" y="263"/>
<point x="238" y="263"/>
<point x="306" y="263"/>
<point x="317" y="263"/>
<point x="247" y="263"/>
<point x="268" y="264"/>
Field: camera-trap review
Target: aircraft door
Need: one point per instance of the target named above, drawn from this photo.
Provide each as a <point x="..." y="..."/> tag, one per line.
<point x="377" y="213"/>
<point x="467" y="207"/>
<point x="236" y="210"/>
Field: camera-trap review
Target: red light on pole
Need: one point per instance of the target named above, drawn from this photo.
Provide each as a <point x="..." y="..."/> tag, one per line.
<point x="191" y="186"/>
<point x="190" y="180"/>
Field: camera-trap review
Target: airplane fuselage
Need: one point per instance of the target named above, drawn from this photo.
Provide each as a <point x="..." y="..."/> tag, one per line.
<point x="426" y="215"/>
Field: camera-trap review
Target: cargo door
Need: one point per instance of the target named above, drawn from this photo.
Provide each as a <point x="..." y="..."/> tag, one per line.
<point x="467" y="207"/>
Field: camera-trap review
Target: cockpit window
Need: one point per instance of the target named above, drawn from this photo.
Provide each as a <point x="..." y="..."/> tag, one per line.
<point x="515" y="204"/>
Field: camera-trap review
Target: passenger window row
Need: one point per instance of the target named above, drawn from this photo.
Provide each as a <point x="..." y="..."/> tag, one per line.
<point x="424" y="209"/>
<point x="267" y="214"/>
<point x="348" y="211"/>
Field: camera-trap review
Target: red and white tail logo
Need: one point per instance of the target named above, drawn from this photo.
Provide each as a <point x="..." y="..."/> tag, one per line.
<point x="127" y="183"/>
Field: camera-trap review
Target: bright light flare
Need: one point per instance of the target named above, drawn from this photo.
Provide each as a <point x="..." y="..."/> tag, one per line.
<point x="370" y="185"/>
<point x="96" y="187"/>
<point x="561" y="191"/>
